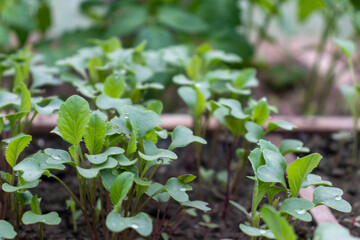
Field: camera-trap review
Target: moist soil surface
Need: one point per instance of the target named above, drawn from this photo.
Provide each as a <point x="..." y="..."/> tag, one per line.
<point x="336" y="167"/>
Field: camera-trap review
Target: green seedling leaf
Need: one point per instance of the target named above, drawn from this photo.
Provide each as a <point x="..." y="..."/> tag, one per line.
<point x="124" y="161"/>
<point x="94" y="64"/>
<point x="8" y="98"/>
<point x="30" y="169"/>
<point x="152" y="153"/>
<point x="105" y="102"/>
<point x="183" y="136"/>
<point x="193" y="69"/>
<point x="74" y="115"/>
<point x="267" y="145"/>
<point x="280" y="124"/>
<point x="261" y="112"/>
<point x="235" y="125"/>
<point x="313" y="179"/>
<point x="42" y="76"/>
<point x="186" y="178"/>
<point x="203" y="206"/>
<point x="141" y="223"/>
<point x="292" y="146"/>
<point x="51" y="218"/>
<point x="47" y="107"/>
<point x="58" y="156"/>
<point x="181" y="20"/>
<point x="246" y="79"/>
<point x="274" y="169"/>
<point x="346" y="46"/>
<point x="102" y="157"/>
<point x="94" y="135"/>
<point x="146" y="120"/>
<point x="114" y="85"/>
<point x="155" y="106"/>
<point x="94" y="170"/>
<point x="331" y="197"/>
<point x="330" y="231"/>
<point x="277" y="224"/>
<point x="160" y="193"/>
<point x="218" y="55"/>
<point x="350" y="94"/>
<point x="24" y="197"/>
<point x="297" y="207"/>
<point x="6" y="230"/>
<point x="308" y="7"/>
<point x="181" y="79"/>
<point x="194" y="98"/>
<point x="25" y="104"/>
<point x="234" y="107"/>
<point x="8" y="188"/>
<point x="256" y="159"/>
<point x="300" y="169"/>
<point x="177" y="189"/>
<point x="254" y="132"/>
<point x="120" y="187"/>
<point x="15" y="146"/>
<point x="256" y="232"/>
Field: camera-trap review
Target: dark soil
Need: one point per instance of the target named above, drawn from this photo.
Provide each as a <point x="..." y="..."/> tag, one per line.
<point x="334" y="167"/>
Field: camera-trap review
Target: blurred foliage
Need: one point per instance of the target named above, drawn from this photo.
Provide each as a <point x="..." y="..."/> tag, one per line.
<point x="22" y="17"/>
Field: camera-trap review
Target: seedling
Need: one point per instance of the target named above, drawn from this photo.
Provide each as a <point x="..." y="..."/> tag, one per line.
<point x="270" y="168"/>
<point x="351" y="93"/>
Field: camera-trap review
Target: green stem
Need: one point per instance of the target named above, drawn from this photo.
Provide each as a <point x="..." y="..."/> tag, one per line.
<point x="41" y="231"/>
<point x="355" y="116"/>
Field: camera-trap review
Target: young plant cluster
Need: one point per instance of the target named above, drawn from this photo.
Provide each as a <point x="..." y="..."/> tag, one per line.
<point x="116" y="150"/>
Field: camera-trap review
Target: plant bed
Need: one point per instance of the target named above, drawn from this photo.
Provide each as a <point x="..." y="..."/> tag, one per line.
<point x="54" y="197"/>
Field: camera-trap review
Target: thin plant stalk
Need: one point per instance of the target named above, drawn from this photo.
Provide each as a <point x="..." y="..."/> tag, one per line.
<point x="355" y="116"/>
<point x="314" y="72"/>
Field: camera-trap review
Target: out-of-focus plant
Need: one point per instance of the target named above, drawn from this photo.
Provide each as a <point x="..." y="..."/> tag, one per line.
<point x="22" y="18"/>
<point x="351" y="93"/>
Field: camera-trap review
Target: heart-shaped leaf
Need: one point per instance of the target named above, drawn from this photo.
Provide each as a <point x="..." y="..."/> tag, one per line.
<point x="254" y="132"/>
<point x="6" y="230"/>
<point x="234" y="107"/>
<point x="51" y="218"/>
<point x="277" y="224"/>
<point x="141" y="223"/>
<point x="177" y="189"/>
<point x="153" y="153"/>
<point x="48" y="106"/>
<point x="256" y="232"/>
<point x="274" y="169"/>
<point x="300" y="169"/>
<point x="74" y="115"/>
<point x="105" y="102"/>
<point x="158" y="192"/>
<point x="146" y="120"/>
<point x="94" y="170"/>
<point x="292" y="146"/>
<point x="197" y="204"/>
<point x="183" y="136"/>
<point x="313" y="179"/>
<point x="58" y="156"/>
<point x="331" y="231"/>
<point x="102" y="157"/>
<point x="331" y="197"/>
<point x="280" y="124"/>
<point x="267" y="145"/>
<point x="124" y="161"/>
<point x="297" y="207"/>
<point x="30" y="169"/>
<point x="256" y="159"/>
<point x="8" y="188"/>
<point x="8" y="98"/>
